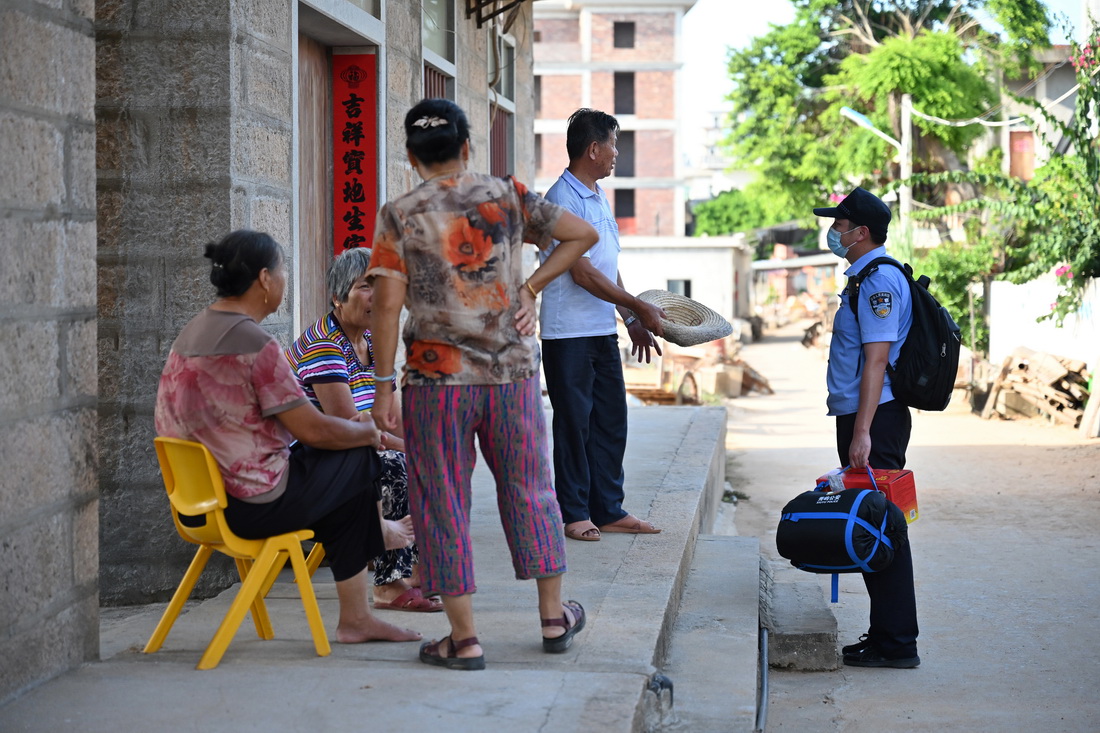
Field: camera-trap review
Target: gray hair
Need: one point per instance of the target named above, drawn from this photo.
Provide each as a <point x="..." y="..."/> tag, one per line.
<point x="344" y="271"/>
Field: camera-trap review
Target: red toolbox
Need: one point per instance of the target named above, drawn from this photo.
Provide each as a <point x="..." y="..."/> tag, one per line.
<point x="896" y="483"/>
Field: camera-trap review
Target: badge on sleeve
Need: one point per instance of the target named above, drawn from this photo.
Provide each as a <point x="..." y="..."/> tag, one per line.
<point x="881" y="304"/>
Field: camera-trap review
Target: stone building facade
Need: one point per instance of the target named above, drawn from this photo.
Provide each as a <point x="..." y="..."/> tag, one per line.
<point x="135" y="132"/>
<point x="49" y="504"/>
<point x="622" y="57"/>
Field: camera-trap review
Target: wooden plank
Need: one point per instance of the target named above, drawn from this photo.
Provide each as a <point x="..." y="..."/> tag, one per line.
<point x="995" y="390"/>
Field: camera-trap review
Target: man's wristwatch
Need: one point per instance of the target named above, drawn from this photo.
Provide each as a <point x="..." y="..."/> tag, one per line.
<point x="629" y="321"/>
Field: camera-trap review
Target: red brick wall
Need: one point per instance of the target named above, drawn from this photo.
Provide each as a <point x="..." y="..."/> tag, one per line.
<point x="559" y="40"/>
<point x="655" y="95"/>
<point x="561" y="95"/>
<point x="554" y="156"/>
<point x="653" y="37"/>
<point x="603" y="91"/>
<point x="648" y="203"/>
<point x="654" y="155"/>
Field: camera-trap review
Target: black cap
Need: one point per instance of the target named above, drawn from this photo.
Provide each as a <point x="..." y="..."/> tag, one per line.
<point x="863" y="208"/>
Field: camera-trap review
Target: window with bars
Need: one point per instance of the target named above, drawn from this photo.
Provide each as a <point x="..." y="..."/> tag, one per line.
<point x="502" y="107"/>
<point x="437" y="33"/>
<point x="437" y="83"/>
<point x="500" y="143"/>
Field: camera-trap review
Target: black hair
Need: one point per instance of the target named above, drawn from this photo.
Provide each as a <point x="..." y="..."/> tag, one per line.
<point x="587" y="126"/>
<point x="435" y="130"/>
<point x="238" y="259"/>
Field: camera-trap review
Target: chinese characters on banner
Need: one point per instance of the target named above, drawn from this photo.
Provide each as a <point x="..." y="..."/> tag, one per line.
<point x="354" y="145"/>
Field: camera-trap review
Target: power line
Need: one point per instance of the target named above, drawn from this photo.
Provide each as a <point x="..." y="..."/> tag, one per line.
<point x="1002" y="123"/>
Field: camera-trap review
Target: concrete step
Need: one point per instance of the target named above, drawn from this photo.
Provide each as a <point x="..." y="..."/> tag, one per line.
<point x="802" y="630"/>
<point x="712" y="658"/>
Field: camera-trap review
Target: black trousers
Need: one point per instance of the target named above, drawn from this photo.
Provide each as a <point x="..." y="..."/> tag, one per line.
<point x="584" y="378"/>
<point x="333" y="492"/>
<point x="893" y="626"/>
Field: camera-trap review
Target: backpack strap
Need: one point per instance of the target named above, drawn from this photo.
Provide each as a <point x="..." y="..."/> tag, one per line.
<point x="856" y="280"/>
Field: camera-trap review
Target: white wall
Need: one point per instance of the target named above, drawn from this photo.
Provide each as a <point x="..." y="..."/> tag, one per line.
<point x="710" y="263"/>
<point x="1014" y="308"/>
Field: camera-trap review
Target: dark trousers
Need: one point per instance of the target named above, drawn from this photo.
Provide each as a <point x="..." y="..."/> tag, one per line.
<point x="893" y="626"/>
<point x="584" y="377"/>
<point x="334" y="493"/>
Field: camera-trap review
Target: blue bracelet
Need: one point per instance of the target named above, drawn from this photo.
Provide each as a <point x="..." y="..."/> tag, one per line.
<point x="390" y="378"/>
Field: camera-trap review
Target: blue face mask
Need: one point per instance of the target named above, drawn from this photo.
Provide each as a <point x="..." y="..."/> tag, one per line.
<point x="833" y="238"/>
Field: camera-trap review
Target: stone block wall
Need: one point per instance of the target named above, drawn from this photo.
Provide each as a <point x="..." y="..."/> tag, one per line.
<point x="49" y="609"/>
<point x="193" y="136"/>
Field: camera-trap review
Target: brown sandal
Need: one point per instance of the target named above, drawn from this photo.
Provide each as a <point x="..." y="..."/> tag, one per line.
<point x="430" y="654"/>
<point x="559" y="644"/>
<point x="579" y="532"/>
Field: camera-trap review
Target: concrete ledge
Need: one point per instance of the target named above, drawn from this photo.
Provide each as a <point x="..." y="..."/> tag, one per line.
<point x="802" y="630"/>
<point x="713" y="661"/>
<point x="630" y="585"/>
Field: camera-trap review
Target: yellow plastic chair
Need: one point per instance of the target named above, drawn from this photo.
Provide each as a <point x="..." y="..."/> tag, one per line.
<point x="195" y="488"/>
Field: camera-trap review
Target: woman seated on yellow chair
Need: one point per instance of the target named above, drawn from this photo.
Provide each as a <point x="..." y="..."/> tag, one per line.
<point x="228" y="386"/>
<point x="334" y="362"/>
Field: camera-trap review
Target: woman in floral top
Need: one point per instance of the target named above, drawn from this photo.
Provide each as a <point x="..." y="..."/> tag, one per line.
<point x="451" y="252"/>
<point x="228" y="386"/>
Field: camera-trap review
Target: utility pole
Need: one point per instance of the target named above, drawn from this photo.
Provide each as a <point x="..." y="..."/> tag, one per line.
<point x="905" y="155"/>
<point x="905" y="204"/>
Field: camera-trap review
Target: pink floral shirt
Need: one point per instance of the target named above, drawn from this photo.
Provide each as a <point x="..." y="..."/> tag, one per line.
<point x="458" y="244"/>
<point x="225" y="380"/>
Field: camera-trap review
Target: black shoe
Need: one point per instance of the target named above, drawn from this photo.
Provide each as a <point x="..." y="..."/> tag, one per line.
<point x="859" y="646"/>
<point x="871" y="657"/>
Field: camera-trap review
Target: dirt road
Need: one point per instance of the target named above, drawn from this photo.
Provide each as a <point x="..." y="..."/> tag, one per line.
<point x="1005" y="553"/>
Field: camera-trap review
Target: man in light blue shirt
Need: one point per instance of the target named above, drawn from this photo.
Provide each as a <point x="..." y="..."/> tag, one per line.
<point x="580" y="345"/>
<point x="873" y="428"/>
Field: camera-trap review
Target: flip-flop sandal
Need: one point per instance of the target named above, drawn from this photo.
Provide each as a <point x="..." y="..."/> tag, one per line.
<point x="430" y="654"/>
<point x="577" y="533"/>
<point x="412" y="600"/>
<point x="559" y="644"/>
<point x="632" y="525"/>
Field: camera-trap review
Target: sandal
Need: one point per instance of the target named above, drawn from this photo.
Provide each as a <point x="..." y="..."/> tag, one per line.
<point x="577" y="531"/>
<point x="559" y="644"/>
<point x="430" y="654"/>
<point x="412" y="600"/>
<point x="630" y="524"/>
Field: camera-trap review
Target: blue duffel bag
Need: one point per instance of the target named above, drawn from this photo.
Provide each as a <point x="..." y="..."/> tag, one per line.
<point x="836" y="531"/>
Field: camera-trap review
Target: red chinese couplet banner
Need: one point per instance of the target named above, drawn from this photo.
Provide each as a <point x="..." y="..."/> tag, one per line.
<point x="354" y="150"/>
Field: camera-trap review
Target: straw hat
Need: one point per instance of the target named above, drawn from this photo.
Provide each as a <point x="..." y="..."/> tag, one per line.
<point x="689" y="322"/>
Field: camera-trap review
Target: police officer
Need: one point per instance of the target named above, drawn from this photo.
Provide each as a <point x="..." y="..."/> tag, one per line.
<point x="872" y="428"/>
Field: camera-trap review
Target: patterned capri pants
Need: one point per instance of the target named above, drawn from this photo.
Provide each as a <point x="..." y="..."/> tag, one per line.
<point x="440" y="425"/>
<point x="394" y="487"/>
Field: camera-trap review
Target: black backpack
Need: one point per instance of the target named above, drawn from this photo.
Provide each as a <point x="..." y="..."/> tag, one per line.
<point x="924" y="375"/>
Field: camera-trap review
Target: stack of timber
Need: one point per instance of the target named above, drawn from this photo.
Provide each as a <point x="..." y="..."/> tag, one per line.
<point x="1057" y="387"/>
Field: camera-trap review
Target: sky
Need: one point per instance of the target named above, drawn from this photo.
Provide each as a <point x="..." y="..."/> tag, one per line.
<point x="713" y="25"/>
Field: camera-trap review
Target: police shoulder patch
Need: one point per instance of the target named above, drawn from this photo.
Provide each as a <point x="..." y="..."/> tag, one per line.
<point x="881" y="304"/>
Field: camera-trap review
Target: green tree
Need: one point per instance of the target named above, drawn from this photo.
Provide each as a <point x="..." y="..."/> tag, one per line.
<point x="736" y="211"/>
<point x="1051" y="223"/>
<point x="790" y="84"/>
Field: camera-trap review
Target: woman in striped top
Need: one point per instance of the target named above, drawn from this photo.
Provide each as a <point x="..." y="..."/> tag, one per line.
<point x="334" y="363"/>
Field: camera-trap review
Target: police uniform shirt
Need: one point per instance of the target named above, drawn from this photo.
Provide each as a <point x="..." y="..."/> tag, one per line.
<point x="885" y="314"/>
